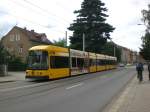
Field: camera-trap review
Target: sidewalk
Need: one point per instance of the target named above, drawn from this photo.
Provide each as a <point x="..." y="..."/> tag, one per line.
<point x="13" y="76"/>
<point x="135" y="97"/>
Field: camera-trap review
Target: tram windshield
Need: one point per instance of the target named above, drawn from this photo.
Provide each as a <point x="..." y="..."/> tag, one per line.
<point x="38" y="60"/>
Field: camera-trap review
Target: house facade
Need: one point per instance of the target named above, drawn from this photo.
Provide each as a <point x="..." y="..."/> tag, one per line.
<point x="18" y="40"/>
<point x="128" y="56"/>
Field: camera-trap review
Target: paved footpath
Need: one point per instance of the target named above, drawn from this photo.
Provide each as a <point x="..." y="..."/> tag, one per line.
<point x="134" y="98"/>
<point x="13" y="76"/>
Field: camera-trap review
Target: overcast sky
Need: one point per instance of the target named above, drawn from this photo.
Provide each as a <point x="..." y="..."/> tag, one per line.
<point x="53" y="17"/>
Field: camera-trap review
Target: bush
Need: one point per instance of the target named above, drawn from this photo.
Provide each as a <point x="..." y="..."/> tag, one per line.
<point x="16" y="65"/>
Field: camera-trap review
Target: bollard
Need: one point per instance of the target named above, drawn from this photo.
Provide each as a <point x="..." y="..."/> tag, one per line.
<point x="3" y="70"/>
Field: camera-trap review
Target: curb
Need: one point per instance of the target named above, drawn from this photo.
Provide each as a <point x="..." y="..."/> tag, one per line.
<point x="7" y="81"/>
<point x="7" y="78"/>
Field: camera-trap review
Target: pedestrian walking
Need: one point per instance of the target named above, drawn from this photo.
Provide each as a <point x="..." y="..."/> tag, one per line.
<point x="149" y="69"/>
<point x="139" y="69"/>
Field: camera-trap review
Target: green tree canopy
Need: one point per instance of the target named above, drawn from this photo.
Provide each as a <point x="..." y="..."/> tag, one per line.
<point x="3" y="54"/>
<point x="91" y="22"/>
<point x="14" y="63"/>
<point x="60" y="42"/>
<point x="146" y="17"/>
<point x="145" y="50"/>
<point x="109" y="48"/>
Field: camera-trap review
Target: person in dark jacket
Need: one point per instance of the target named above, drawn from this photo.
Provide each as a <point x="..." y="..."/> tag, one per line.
<point x="149" y="70"/>
<point x="139" y="69"/>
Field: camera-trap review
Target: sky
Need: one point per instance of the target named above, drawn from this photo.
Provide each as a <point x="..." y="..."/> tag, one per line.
<point x="53" y="17"/>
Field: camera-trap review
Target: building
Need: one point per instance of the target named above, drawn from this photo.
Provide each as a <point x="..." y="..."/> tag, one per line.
<point x="18" y="40"/>
<point x="127" y="56"/>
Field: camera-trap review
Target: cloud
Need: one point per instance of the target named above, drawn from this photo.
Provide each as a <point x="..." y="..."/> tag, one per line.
<point x="53" y="17"/>
<point x="124" y="15"/>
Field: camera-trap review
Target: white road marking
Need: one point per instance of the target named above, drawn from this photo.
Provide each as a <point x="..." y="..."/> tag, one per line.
<point x="21" y="87"/>
<point x="34" y="85"/>
<point x="70" y="87"/>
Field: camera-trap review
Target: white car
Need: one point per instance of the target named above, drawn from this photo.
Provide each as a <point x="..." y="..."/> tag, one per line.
<point x="121" y="65"/>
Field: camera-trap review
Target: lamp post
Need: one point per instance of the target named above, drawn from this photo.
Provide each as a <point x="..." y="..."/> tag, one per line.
<point x="83" y="42"/>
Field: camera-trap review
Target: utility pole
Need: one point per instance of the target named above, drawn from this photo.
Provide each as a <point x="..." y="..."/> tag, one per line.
<point x="66" y="38"/>
<point x="114" y="47"/>
<point x="114" y="50"/>
<point x="83" y="42"/>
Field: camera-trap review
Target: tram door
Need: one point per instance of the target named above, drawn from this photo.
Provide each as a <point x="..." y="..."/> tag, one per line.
<point x="78" y="62"/>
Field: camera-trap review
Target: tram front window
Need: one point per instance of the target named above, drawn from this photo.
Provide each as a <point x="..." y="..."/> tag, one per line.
<point x="38" y="60"/>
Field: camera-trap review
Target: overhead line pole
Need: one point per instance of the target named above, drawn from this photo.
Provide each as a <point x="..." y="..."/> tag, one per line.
<point x="83" y="42"/>
<point x="66" y="38"/>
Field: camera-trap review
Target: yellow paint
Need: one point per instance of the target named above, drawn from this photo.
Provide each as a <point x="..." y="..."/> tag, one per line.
<point x="101" y="68"/>
<point x="37" y="73"/>
<point x="92" y="68"/>
<point x="58" y="73"/>
<point x="51" y="73"/>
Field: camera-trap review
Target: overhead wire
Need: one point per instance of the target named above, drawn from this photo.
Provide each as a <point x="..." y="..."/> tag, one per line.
<point x="37" y="12"/>
<point x="21" y="5"/>
<point x="29" y="21"/>
<point x="45" y="10"/>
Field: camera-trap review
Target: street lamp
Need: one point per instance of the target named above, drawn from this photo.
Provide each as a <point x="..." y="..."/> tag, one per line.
<point x="140" y="24"/>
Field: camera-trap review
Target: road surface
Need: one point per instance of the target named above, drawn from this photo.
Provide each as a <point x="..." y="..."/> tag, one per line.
<point x="84" y="93"/>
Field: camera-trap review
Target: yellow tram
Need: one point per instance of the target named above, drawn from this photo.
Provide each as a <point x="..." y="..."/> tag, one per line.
<point x="51" y="62"/>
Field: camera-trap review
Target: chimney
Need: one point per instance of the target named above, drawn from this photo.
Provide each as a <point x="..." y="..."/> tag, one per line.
<point x="25" y="28"/>
<point x="32" y="31"/>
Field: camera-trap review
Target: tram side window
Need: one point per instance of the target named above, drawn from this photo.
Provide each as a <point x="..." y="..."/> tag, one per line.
<point x="111" y="62"/>
<point x="74" y="62"/>
<point x="99" y="62"/>
<point x="107" y="62"/>
<point x="80" y="62"/>
<point x="93" y="62"/>
<point x="59" y="62"/>
<point x="103" y="62"/>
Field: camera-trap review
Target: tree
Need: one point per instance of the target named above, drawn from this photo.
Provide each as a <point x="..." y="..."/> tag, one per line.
<point x="14" y="63"/>
<point x="91" y="22"/>
<point x="60" y="42"/>
<point x="146" y="17"/>
<point x="3" y="55"/>
<point x="108" y="49"/>
<point x="145" y="50"/>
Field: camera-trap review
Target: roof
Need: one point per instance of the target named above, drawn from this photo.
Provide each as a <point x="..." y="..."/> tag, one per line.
<point x="34" y="36"/>
<point x="50" y="48"/>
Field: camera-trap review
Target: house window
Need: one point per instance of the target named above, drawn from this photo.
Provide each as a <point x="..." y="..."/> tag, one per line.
<point x="17" y="36"/>
<point x="20" y="50"/>
<point x="12" y="37"/>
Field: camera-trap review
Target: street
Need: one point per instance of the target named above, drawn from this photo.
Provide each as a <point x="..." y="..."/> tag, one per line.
<point x="84" y="93"/>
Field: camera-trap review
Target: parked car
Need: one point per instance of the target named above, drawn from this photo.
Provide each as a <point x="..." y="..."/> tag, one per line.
<point x="128" y="64"/>
<point x="121" y="65"/>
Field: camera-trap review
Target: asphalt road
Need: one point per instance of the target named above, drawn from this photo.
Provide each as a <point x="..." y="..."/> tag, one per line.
<point x="84" y="93"/>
